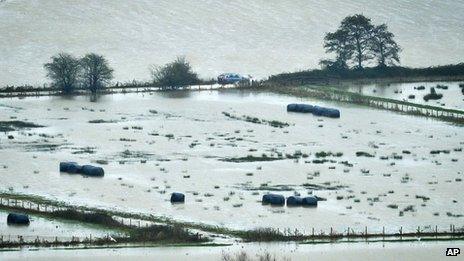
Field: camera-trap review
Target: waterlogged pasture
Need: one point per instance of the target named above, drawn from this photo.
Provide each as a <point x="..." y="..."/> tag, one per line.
<point x="453" y="92"/>
<point x="225" y="149"/>
<point x="48" y="229"/>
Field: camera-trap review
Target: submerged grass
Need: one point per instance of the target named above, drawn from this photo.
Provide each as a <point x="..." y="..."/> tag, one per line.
<point x="172" y="231"/>
<point x="272" y="123"/>
<point x="165" y="233"/>
<point x="6" y="126"/>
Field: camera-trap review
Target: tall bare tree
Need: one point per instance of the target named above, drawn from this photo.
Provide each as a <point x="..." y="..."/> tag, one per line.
<point x="63" y="70"/>
<point x="96" y="72"/>
<point x="383" y="47"/>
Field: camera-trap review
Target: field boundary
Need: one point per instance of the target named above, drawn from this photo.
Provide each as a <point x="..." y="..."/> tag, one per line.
<point x="261" y="235"/>
<point x="38" y="92"/>
<point x="332" y="94"/>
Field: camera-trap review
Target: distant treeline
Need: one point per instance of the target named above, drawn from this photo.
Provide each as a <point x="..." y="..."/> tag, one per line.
<point x="320" y="76"/>
<point x="92" y="72"/>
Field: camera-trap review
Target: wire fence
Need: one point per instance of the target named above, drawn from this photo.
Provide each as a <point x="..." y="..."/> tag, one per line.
<point x="330" y="234"/>
<point x="34" y="207"/>
<point x="119" y="89"/>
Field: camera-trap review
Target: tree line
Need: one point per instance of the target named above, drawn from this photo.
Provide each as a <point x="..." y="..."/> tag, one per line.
<point x="93" y="72"/>
<point x="357" y="41"/>
<point x="67" y="72"/>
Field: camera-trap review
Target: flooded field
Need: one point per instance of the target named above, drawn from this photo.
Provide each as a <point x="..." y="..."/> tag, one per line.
<point x="374" y="168"/>
<point x="453" y="94"/>
<point x="48" y="229"/>
<point x="281" y="251"/>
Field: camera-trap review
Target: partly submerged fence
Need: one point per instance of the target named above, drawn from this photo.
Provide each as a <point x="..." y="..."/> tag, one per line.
<point x="38" y="208"/>
<point x="115" y="90"/>
<point x="333" y="94"/>
<point x="315" y="235"/>
<point x="8" y="241"/>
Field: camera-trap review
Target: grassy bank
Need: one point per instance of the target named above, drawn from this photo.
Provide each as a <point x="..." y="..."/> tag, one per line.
<point x="370" y="75"/>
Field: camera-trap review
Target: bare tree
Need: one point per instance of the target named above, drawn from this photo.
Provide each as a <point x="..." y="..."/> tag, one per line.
<point x="64" y="71"/>
<point x="96" y="72"/>
<point x="383" y="47"/>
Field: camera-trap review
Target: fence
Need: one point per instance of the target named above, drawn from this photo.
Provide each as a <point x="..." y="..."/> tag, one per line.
<point x="315" y="235"/>
<point x="115" y="90"/>
<point x="373" y="101"/>
<point x="33" y="207"/>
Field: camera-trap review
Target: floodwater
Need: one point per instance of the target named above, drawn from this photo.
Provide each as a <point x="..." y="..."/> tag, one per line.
<point x="421" y="251"/>
<point x="151" y="145"/>
<point x="260" y="37"/>
<point x="48" y="229"/>
<point x="453" y="96"/>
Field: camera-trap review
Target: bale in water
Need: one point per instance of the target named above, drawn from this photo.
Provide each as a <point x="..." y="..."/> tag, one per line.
<point x="433" y="95"/>
<point x="327" y="112"/>
<point x="70" y="167"/>
<point x="177" y="197"/>
<point x="93" y="171"/>
<point x="294" y="201"/>
<point x="309" y="201"/>
<point x="315" y="110"/>
<point x="305" y="108"/>
<point x="273" y="199"/>
<point x="17" y="219"/>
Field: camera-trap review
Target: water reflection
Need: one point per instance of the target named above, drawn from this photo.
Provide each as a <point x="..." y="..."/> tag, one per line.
<point x="175" y="94"/>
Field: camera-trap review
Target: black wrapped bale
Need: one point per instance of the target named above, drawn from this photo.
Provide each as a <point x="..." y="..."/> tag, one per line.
<point x="315" y="110"/>
<point x="93" y="171"/>
<point x="433" y="95"/>
<point x="294" y="201"/>
<point x="70" y="167"/>
<point x="17" y="219"/>
<point x="273" y="199"/>
<point x="177" y="197"/>
<point x="304" y="108"/>
<point x="327" y="112"/>
<point x="309" y="201"/>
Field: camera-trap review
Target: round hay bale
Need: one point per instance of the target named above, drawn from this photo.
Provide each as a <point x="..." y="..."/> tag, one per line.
<point x="292" y="107"/>
<point x="17" y="219"/>
<point x="305" y="108"/>
<point x="177" y="197"/>
<point x="93" y="171"/>
<point x="70" y="167"/>
<point x="309" y="201"/>
<point x="294" y="201"/>
<point x="327" y="112"/>
<point x="273" y="199"/>
<point x="265" y="199"/>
